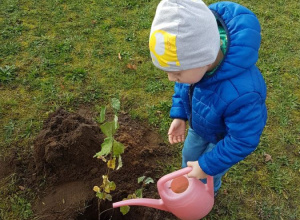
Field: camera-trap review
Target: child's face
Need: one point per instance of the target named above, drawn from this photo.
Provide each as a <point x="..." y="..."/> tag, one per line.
<point x="189" y="76"/>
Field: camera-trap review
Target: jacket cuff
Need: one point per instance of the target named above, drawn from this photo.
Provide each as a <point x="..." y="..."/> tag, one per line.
<point x="204" y="167"/>
<point x="178" y="113"/>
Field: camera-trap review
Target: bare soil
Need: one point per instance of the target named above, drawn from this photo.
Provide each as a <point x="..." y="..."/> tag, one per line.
<point x="62" y="170"/>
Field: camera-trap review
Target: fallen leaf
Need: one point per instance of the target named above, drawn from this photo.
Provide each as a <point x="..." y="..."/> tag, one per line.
<point x="268" y="157"/>
<point x="119" y="56"/>
<point x="131" y="66"/>
<point x="22" y="188"/>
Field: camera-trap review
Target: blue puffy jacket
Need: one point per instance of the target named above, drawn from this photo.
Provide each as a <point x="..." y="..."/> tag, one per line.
<point x="228" y="108"/>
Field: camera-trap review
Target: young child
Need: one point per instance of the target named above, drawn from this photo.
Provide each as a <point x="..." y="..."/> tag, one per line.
<point x="210" y="54"/>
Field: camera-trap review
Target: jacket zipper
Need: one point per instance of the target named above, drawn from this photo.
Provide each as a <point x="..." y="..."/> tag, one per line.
<point x="191" y="91"/>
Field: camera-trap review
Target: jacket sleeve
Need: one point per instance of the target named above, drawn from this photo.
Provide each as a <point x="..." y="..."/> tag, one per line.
<point x="177" y="109"/>
<point x="245" y="119"/>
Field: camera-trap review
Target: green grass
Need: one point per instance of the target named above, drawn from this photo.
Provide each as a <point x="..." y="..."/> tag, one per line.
<point x="65" y="53"/>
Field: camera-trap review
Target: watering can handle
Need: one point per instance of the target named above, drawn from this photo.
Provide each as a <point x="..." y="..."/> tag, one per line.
<point x="181" y="172"/>
<point x="210" y="185"/>
<point x="173" y="175"/>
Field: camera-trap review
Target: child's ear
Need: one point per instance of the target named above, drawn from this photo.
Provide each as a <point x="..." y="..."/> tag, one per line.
<point x="209" y="67"/>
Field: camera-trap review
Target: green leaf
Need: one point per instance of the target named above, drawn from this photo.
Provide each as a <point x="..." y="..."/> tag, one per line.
<point x="108" y="129"/>
<point x="141" y="179"/>
<point x="139" y="193"/>
<point x="107" y="188"/>
<point x="124" y="209"/>
<point x="100" y="195"/>
<point x="149" y="180"/>
<point x="118" y="148"/>
<point x="112" y="185"/>
<point x="108" y="197"/>
<point x="102" y="114"/>
<point x="120" y="163"/>
<point x="106" y="147"/>
<point x="116" y="122"/>
<point x="115" y="104"/>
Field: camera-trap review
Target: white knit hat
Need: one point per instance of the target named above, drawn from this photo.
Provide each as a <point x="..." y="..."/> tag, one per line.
<point x="184" y="35"/>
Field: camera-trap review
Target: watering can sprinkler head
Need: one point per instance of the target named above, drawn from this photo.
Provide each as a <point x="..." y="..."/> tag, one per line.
<point x="187" y="198"/>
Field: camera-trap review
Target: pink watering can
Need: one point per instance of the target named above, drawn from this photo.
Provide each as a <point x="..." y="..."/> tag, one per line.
<point x="187" y="198"/>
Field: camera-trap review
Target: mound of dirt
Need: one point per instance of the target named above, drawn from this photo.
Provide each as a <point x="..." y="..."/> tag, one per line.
<point x="63" y="155"/>
<point x="64" y="149"/>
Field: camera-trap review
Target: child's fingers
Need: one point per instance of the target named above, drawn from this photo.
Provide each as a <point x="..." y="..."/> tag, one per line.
<point x="175" y="140"/>
<point x="190" y="174"/>
<point x="179" y="138"/>
<point x="171" y="139"/>
<point x="182" y="138"/>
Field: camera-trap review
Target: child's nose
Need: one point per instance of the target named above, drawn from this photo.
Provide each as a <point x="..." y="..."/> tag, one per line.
<point x="171" y="78"/>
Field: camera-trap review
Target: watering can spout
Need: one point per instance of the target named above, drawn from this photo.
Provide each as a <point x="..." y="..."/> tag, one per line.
<point x="152" y="203"/>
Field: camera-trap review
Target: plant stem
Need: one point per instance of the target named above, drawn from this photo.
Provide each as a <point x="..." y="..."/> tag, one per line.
<point x="99" y="209"/>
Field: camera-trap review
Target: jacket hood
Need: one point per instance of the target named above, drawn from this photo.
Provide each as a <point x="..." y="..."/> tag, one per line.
<point x="243" y="32"/>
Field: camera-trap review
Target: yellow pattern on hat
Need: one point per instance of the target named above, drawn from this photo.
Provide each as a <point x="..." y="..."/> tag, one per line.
<point x="170" y="49"/>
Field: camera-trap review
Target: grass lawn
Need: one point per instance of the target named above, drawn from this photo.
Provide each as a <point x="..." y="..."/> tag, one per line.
<point x="83" y="53"/>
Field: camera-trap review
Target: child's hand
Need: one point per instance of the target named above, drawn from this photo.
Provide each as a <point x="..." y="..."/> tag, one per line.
<point x="177" y="131"/>
<point x="197" y="172"/>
